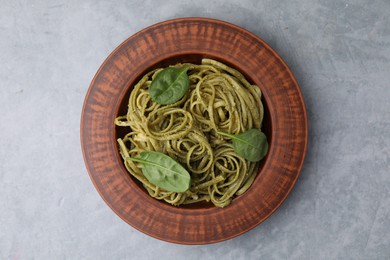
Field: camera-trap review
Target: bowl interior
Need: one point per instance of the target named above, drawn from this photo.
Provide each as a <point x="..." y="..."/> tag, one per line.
<point x="196" y="59"/>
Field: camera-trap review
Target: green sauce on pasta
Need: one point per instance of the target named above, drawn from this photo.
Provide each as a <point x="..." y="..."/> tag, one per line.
<point x="219" y="99"/>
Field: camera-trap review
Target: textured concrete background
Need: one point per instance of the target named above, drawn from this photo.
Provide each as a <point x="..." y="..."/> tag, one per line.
<point x="339" y="52"/>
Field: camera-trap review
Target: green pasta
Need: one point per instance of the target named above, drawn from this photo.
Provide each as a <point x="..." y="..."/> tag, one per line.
<point x="219" y="99"/>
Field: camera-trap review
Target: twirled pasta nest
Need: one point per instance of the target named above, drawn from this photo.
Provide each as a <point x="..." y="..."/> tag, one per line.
<point x="219" y="99"/>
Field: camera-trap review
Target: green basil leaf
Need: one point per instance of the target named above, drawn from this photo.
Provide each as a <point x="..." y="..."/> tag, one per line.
<point x="169" y="85"/>
<point x="163" y="171"/>
<point x="251" y="145"/>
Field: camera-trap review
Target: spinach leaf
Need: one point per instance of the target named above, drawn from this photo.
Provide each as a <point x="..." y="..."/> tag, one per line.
<point x="163" y="171"/>
<point x="169" y="85"/>
<point x="251" y="145"/>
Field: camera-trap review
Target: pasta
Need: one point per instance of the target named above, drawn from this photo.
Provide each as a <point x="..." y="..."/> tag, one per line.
<point x="219" y="99"/>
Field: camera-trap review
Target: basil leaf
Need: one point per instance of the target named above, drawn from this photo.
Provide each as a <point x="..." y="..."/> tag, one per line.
<point x="163" y="171"/>
<point x="251" y="145"/>
<point x="169" y="85"/>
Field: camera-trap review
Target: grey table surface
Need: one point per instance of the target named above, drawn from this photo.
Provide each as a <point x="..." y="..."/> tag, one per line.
<point x="339" y="52"/>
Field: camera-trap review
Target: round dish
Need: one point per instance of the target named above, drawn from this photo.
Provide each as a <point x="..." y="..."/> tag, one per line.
<point x="190" y="40"/>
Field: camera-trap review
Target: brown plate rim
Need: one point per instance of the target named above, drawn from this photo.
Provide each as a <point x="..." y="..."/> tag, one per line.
<point x="304" y="116"/>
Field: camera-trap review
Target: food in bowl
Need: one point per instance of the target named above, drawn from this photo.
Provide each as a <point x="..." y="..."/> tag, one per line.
<point x="194" y="133"/>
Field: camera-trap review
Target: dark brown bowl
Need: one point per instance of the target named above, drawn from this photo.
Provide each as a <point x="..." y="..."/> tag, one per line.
<point x="190" y="40"/>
